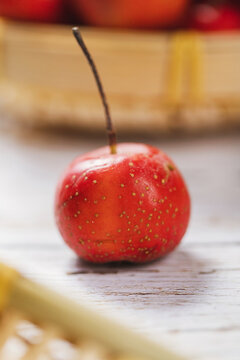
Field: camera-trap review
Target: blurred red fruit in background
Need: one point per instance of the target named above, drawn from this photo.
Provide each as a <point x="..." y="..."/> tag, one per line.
<point x="32" y="10"/>
<point x="130" y="13"/>
<point x="207" y="17"/>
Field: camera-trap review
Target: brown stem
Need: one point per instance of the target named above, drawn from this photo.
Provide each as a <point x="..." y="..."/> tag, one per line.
<point x="110" y="130"/>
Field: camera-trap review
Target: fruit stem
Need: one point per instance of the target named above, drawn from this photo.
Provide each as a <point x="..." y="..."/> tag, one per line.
<point x="110" y="130"/>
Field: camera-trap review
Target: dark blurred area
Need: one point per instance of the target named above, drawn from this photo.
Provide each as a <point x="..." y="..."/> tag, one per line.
<point x="206" y="15"/>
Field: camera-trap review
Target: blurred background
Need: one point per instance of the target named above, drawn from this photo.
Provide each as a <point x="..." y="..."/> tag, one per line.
<point x="167" y="66"/>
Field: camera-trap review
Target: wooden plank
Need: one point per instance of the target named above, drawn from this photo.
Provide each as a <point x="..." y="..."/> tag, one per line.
<point x="188" y="300"/>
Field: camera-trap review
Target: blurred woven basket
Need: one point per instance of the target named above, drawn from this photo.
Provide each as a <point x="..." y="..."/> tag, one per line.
<point x="156" y="82"/>
<point x="36" y="323"/>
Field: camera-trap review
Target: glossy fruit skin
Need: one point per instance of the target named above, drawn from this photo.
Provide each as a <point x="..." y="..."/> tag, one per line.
<point x="129" y="13"/>
<point x="206" y="17"/>
<point x="133" y="206"/>
<point x="32" y="10"/>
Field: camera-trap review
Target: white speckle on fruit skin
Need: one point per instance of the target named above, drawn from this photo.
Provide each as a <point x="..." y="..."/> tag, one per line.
<point x="130" y="164"/>
<point x="95" y="181"/>
<point x="155" y="176"/>
<point x="131" y="174"/>
<point x="76" y="193"/>
<point x="66" y="186"/>
<point x="122" y="185"/>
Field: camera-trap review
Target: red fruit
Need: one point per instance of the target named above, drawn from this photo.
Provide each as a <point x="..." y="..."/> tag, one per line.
<point x="131" y="206"/>
<point x="32" y="10"/>
<point x="122" y="202"/>
<point x="129" y="13"/>
<point x="206" y="17"/>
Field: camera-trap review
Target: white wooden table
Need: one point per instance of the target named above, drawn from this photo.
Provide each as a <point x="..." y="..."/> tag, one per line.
<point x="189" y="300"/>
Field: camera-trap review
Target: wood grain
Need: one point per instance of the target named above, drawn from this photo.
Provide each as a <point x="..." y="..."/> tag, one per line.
<point x="189" y="300"/>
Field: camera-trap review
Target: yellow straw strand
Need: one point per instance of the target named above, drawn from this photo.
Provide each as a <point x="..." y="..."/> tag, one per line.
<point x="8" y="277"/>
<point x="186" y="65"/>
<point x="197" y="71"/>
